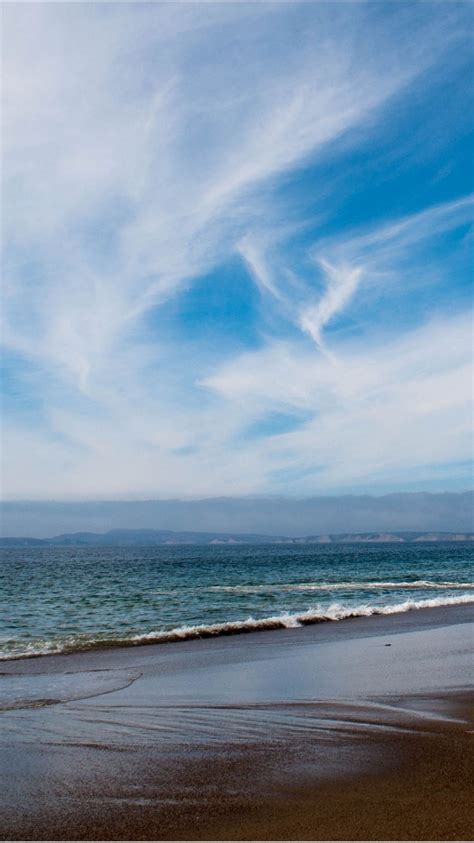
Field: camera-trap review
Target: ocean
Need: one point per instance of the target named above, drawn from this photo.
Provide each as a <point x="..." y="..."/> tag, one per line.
<point x="66" y="599"/>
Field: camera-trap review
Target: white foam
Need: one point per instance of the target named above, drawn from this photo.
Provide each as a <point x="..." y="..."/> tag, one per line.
<point x="335" y="611"/>
<point x="332" y="612"/>
<point x="337" y="586"/>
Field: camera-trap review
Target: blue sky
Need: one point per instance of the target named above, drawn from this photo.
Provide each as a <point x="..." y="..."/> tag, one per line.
<point x="237" y="249"/>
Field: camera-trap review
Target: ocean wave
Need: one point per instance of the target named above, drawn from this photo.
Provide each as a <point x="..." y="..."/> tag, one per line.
<point x="285" y="620"/>
<point x="346" y="586"/>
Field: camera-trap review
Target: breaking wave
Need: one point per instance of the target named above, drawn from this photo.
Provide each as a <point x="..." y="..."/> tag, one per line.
<point x="345" y="586"/>
<point x="319" y="614"/>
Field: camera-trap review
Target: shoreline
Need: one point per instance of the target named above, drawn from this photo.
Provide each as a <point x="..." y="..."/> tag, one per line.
<point x="354" y="731"/>
<point x="285" y="620"/>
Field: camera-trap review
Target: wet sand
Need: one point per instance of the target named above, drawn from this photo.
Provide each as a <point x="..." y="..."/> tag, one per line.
<point x="352" y="730"/>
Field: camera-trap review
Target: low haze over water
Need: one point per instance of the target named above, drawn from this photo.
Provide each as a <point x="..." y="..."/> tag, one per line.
<point x="66" y="599"/>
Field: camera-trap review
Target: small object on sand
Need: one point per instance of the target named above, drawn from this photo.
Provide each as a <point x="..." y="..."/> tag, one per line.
<point x="388" y="645"/>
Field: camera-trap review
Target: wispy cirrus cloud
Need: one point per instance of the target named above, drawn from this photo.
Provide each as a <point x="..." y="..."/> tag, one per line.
<point x="160" y="154"/>
<point x="378" y="410"/>
<point x="341" y="283"/>
<point x="148" y="146"/>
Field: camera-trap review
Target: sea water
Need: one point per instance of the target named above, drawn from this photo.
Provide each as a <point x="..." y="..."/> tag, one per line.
<point x="65" y="599"/>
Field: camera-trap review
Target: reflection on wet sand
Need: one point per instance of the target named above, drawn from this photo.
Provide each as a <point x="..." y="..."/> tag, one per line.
<point x="169" y="742"/>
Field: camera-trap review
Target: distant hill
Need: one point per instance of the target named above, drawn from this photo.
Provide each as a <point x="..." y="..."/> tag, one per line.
<point x="149" y="538"/>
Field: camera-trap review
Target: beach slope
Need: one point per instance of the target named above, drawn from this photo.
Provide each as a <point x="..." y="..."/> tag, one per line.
<point x="359" y="729"/>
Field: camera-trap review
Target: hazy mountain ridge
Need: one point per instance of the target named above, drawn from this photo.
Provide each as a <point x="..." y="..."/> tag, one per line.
<point x="170" y="537"/>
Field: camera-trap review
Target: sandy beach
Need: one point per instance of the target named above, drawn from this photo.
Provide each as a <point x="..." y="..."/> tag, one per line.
<point x="236" y="465"/>
<point x="353" y="730"/>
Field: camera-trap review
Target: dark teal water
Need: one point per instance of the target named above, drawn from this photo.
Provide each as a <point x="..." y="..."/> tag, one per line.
<point x="65" y="599"/>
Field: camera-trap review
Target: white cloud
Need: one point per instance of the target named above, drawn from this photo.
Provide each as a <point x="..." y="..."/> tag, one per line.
<point x="377" y="414"/>
<point x="113" y="111"/>
<point x="132" y="166"/>
<point x="386" y="244"/>
<point x="376" y="411"/>
<point x="341" y="283"/>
